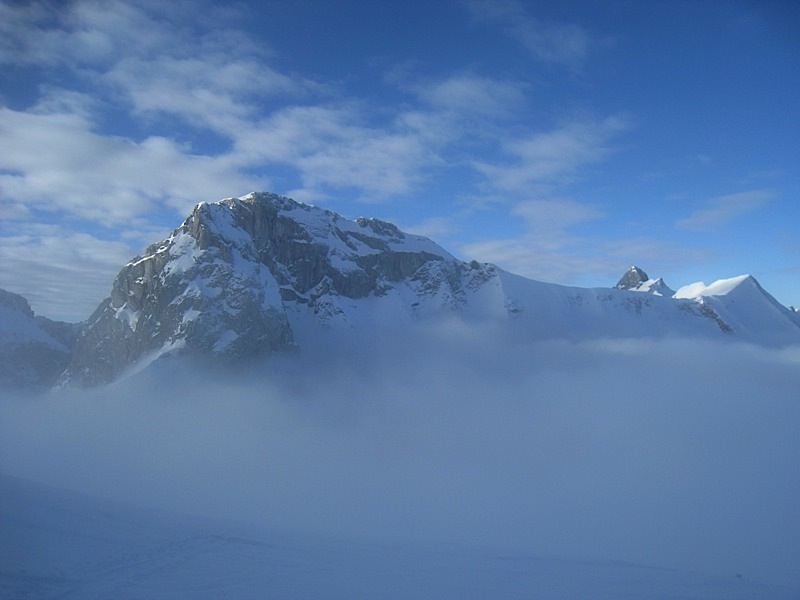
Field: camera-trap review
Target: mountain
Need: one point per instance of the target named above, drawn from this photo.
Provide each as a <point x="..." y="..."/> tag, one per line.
<point x="33" y="350"/>
<point x="243" y="278"/>
<point x="746" y="308"/>
<point x="636" y="280"/>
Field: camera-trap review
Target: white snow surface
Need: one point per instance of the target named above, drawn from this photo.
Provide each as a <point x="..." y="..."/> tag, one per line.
<point x="128" y="315"/>
<point x="59" y="544"/>
<point x="184" y="252"/>
<point x="656" y="287"/>
<point x="720" y="287"/>
<point x="750" y="311"/>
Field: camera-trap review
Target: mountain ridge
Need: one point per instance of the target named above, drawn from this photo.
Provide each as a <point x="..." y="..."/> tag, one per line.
<point x="244" y="278"/>
<point x="34" y="350"/>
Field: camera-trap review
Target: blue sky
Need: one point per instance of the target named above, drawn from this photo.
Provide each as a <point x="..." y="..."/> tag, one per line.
<point x="562" y="141"/>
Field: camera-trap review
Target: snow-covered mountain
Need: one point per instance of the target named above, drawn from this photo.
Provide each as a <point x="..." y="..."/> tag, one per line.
<point x="636" y="280"/>
<point x="33" y="350"/>
<point x="245" y="277"/>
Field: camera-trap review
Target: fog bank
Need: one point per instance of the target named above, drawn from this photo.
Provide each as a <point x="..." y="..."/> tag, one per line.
<point x="672" y="453"/>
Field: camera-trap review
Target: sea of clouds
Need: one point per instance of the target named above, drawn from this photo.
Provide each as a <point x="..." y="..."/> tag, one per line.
<point x="673" y="453"/>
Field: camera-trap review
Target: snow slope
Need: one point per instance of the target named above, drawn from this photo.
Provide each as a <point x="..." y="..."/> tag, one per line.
<point x="746" y="308"/>
<point x="59" y="544"/>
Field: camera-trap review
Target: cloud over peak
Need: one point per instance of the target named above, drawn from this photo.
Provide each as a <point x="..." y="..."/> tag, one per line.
<point x="721" y="210"/>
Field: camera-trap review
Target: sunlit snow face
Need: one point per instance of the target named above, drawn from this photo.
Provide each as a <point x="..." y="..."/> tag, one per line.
<point x="672" y="453"/>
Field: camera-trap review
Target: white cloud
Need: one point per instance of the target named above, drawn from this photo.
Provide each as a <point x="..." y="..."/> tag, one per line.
<point x="332" y="147"/>
<point x="721" y="210"/>
<point x="472" y="95"/>
<point x="655" y="255"/>
<point x="60" y="164"/>
<point x="547" y="250"/>
<point x="552" y="217"/>
<point x="152" y="61"/>
<point x="63" y="274"/>
<point x="159" y="69"/>
<point x="557" y="43"/>
<point x="434" y="227"/>
<point x="527" y="257"/>
<point x="76" y="33"/>
<point x="560" y="244"/>
<point x="553" y="156"/>
<point x="219" y="90"/>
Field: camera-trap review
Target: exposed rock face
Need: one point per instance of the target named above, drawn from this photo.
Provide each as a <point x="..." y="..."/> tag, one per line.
<point x="33" y="350"/>
<point x="636" y="280"/>
<point x="221" y="283"/>
<point x="632" y="279"/>
<point x="15" y="303"/>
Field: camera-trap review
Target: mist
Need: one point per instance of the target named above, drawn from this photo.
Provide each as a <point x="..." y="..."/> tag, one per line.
<point x="671" y="453"/>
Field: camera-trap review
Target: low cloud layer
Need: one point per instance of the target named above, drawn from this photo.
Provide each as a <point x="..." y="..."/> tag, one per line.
<point x="676" y="454"/>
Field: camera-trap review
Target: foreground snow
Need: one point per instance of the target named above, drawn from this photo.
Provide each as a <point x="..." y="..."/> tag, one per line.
<point x="58" y="544"/>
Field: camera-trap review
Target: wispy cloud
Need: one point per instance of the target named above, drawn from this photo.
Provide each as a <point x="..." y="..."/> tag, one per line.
<point x="562" y="243"/>
<point x="149" y="60"/>
<point x="553" y="156"/>
<point x="434" y="227"/>
<point x="557" y="43"/>
<point x="60" y="164"/>
<point x="143" y="61"/>
<point x="722" y="210"/>
<point x="333" y="146"/>
<point x="472" y="95"/>
<point x="59" y="271"/>
<point x="214" y="91"/>
<point x="548" y="250"/>
<point x="552" y="217"/>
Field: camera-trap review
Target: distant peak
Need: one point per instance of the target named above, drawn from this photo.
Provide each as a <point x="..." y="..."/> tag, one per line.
<point x="16" y="303"/>
<point x="380" y="227"/>
<point x="721" y="287"/>
<point x="632" y="278"/>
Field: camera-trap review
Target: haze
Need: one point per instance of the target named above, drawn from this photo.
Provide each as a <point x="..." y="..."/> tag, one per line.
<point x="674" y="453"/>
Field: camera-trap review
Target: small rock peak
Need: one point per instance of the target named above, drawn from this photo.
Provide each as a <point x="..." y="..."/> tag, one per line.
<point x="380" y="227"/>
<point x="632" y="278"/>
<point x="16" y="303"/>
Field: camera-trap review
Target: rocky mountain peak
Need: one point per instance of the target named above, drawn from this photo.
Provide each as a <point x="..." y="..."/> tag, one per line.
<point x="33" y="350"/>
<point x="223" y="281"/>
<point x="632" y="278"/>
<point x="636" y="280"/>
<point x="16" y="303"/>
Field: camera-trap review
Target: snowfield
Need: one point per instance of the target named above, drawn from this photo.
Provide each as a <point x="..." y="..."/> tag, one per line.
<point x="58" y="544"/>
